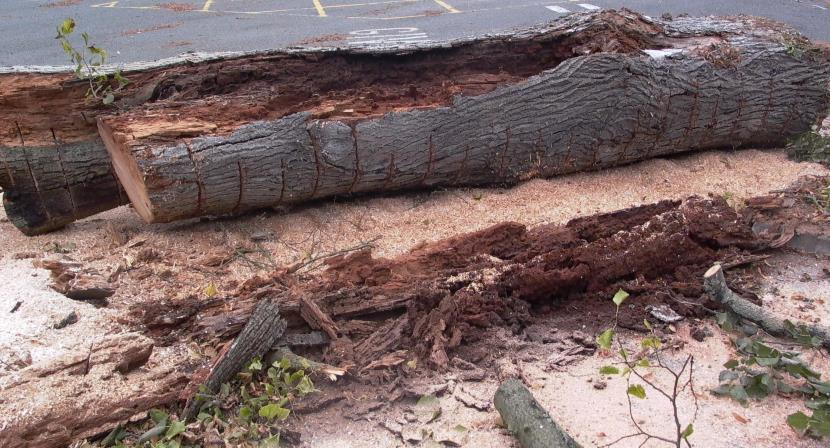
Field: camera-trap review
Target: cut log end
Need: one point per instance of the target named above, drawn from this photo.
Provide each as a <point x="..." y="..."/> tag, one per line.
<point x="711" y="272"/>
<point x="126" y="168"/>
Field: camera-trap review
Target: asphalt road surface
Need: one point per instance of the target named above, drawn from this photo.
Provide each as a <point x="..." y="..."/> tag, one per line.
<point x="145" y="30"/>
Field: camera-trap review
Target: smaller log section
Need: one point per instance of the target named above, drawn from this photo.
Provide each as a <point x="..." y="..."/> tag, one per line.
<point x="583" y="93"/>
<point x="527" y="420"/>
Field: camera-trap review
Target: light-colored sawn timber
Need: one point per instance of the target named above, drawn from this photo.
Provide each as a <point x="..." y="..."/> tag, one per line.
<point x="703" y="89"/>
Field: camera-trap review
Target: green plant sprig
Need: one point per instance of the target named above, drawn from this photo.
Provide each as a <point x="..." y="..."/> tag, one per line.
<point x="88" y="62"/>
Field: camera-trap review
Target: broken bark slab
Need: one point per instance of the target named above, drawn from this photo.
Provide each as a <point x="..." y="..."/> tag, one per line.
<point x="569" y="104"/>
<point x="264" y="328"/>
<point x="527" y="420"/>
<point x="715" y="284"/>
<point x="77" y="282"/>
<point x="85" y="392"/>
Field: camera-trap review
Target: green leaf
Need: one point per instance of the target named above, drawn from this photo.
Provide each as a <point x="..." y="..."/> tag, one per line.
<point x="731" y="364"/>
<point x="175" y="428"/>
<point x="637" y="390"/>
<point x="651" y="342"/>
<point x="609" y="370"/>
<point x="246" y="413"/>
<point x="153" y="433"/>
<point x="738" y="393"/>
<point x="620" y="297"/>
<point x="284" y="364"/>
<point x="210" y="290"/>
<point x="158" y="416"/>
<point x="643" y="363"/>
<point x="688" y="431"/>
<point x="605" y="339"/>
<point x="305" y="386"/>
<point x="66" y="27"/>
<point x="798" y="421"/>
<point x="255" y="365"/>
<point x="647" y="324"/>
<point x="273" y="411"/>
<point x="108" y="99"/>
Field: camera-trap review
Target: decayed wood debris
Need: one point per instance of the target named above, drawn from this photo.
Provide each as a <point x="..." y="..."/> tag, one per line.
<point x="383" y="312"/>
<point x="234" y="133"/>
<point x="77" y="282"/>
<point x="429" y="305"/>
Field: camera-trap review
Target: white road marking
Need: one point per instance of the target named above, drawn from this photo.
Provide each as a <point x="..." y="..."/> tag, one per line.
<point x="820" y="7"/>
<point x="387" y="36"/>
<point x="558" y="9"/>
<point x="589" y="6"/>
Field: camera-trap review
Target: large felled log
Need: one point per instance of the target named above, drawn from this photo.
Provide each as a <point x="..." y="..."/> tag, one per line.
<point x="583" y="93"/>
<point x="47" y="187"/>
<point x="527" y="420"/>
<point x="54" y="168"/>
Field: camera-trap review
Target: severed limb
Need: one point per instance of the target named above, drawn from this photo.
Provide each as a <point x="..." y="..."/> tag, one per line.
<point x="715" y="284"/>
<point x="527" y="420"/>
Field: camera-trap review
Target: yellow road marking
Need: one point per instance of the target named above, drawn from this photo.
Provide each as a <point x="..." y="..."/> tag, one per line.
<point x="208" y="4"/>
<point x="319" y="7"/>
<point x="447" y="6"/>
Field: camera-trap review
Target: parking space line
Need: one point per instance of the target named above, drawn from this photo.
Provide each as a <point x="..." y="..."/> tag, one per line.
<point x="447" y="6"/>
<point x="319" y="7"/>
<point x="558" y="9"/>
<point x="208" y="4"/>
<point x="589" y="6"/>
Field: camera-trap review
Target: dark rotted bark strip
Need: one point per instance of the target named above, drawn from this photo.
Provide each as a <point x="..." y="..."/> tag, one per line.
<point x="264" y="328"/>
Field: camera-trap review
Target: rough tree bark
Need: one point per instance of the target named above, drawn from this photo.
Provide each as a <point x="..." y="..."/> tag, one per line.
<point x="711" y="84"/>
<point x="224" y="133"/>
<point x="527" y="420"/>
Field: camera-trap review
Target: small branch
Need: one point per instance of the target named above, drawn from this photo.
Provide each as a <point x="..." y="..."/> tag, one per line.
<point x="715" y="284"/>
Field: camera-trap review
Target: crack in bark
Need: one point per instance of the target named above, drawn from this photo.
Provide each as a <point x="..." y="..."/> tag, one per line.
<point x="390" y="176"/>
<point x="199" y="184"/>
<point x="315" y="149"/>
<point x="59" y="151"/>
<point x="430" y="155"/>
<point x="282" y="180"/>
<point x="37" y="186"/>
<point x="357" y="173"/>
<point x="461" y="169"/>
<point x="504" y="153"/>
<point x="241" y="186"/>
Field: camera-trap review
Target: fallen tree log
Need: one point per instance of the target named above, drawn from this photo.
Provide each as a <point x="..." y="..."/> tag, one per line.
<point x="48" y="187"/>
<point x="583" y="93"/>
<point x="224" y="133"/>
<point x="527" y="420"/>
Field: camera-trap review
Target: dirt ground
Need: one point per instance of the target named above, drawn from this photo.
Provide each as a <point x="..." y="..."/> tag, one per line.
<point x="591" y="408"/>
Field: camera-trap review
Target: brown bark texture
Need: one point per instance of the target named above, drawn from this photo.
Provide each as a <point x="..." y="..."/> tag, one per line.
<point x="223" y="134"/>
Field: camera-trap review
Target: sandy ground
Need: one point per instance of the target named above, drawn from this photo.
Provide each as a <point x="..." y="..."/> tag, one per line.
<point x="272" y="238"/>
